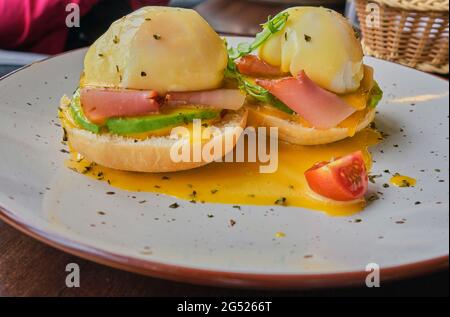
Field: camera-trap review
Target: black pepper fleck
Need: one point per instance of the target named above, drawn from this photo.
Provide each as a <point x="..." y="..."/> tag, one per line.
<point x="373" y="177"/>
<point x="281" y="201"/>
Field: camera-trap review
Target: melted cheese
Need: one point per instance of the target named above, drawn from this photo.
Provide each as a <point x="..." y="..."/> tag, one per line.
<point x="215" y="183"/>
<point x="352" y="122"/>
<point x="64" y="113"/>
<point x="159" y="48"/>
<point x="323" y="44"/>
<point x="360" y="97"/>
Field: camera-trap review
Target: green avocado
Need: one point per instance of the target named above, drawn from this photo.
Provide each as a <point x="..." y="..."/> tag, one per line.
<point x="376" y="94"/>
<point x="79" y="116"/>
<point x="175" y="117"/>
<point x="124" y="126"/>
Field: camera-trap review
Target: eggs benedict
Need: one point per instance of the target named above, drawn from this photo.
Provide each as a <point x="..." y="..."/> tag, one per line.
<point x="308" y="77"/>
<point x="155" y="69"/>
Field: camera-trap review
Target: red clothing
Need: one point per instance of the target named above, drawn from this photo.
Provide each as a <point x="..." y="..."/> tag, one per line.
<point x="40" y="25"/>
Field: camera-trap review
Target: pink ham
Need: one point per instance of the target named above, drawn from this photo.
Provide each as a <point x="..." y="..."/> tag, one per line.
<point x="231" y="99"/>
<point x="100" y="104"/>
<point x="316" y="105"/>
<point x="252" y="65"/>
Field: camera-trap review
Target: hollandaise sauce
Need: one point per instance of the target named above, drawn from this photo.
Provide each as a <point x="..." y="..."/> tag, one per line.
<point x="242" y="183"/>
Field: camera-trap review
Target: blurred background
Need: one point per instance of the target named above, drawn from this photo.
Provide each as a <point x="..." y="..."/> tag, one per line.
<point x="31" y="30"/>
<point x="413" y="33"/>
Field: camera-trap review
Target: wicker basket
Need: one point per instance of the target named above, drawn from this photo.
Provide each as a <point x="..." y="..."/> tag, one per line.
<point x="410" y="32"/>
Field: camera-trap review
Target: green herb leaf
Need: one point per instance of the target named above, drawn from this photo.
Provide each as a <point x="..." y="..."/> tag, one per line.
<point x="253" y="90"/>
<point x="376" y="94"/>
<point x="272" y="26"/>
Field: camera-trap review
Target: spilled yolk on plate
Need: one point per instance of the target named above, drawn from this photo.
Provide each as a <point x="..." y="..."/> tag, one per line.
<point x="403" y="181"/>
<point x="242" y="183"/>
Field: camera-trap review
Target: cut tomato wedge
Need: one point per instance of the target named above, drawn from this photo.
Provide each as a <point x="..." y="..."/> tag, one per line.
<point x="321" y="108"/>
<point x="252" y="65"/>
<point x="100" y="104"/>
<point x="343" y="179"/>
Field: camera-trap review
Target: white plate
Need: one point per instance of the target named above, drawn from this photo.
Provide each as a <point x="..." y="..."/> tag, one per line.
<point x="41" y="197"/>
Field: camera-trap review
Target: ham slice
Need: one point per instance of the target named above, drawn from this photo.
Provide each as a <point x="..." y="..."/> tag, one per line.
<point x="321" y="108"/>
<point x="231" y="99"/>
<point x="252" y="65"/>
<point x="100" y="104"/>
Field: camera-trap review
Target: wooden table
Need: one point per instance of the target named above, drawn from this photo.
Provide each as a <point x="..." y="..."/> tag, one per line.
<point x="30" y="268"/>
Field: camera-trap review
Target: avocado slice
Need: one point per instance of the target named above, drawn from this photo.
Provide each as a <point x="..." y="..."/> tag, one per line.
<point x="376" y="94"/>
<point x="174" y="117"/>
<point x="79" y="117"/>
<point x="124" y="126"/>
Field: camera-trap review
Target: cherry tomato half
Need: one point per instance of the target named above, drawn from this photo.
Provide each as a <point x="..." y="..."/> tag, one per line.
<point x="343" y="179"/>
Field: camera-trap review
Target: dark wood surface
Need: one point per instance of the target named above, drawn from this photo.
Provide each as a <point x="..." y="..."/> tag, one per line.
<point x="30" y="268"/>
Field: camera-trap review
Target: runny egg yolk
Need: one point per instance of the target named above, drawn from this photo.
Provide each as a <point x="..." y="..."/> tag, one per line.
<point x="242" y="183"/>
<point x="403" y="181"/>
